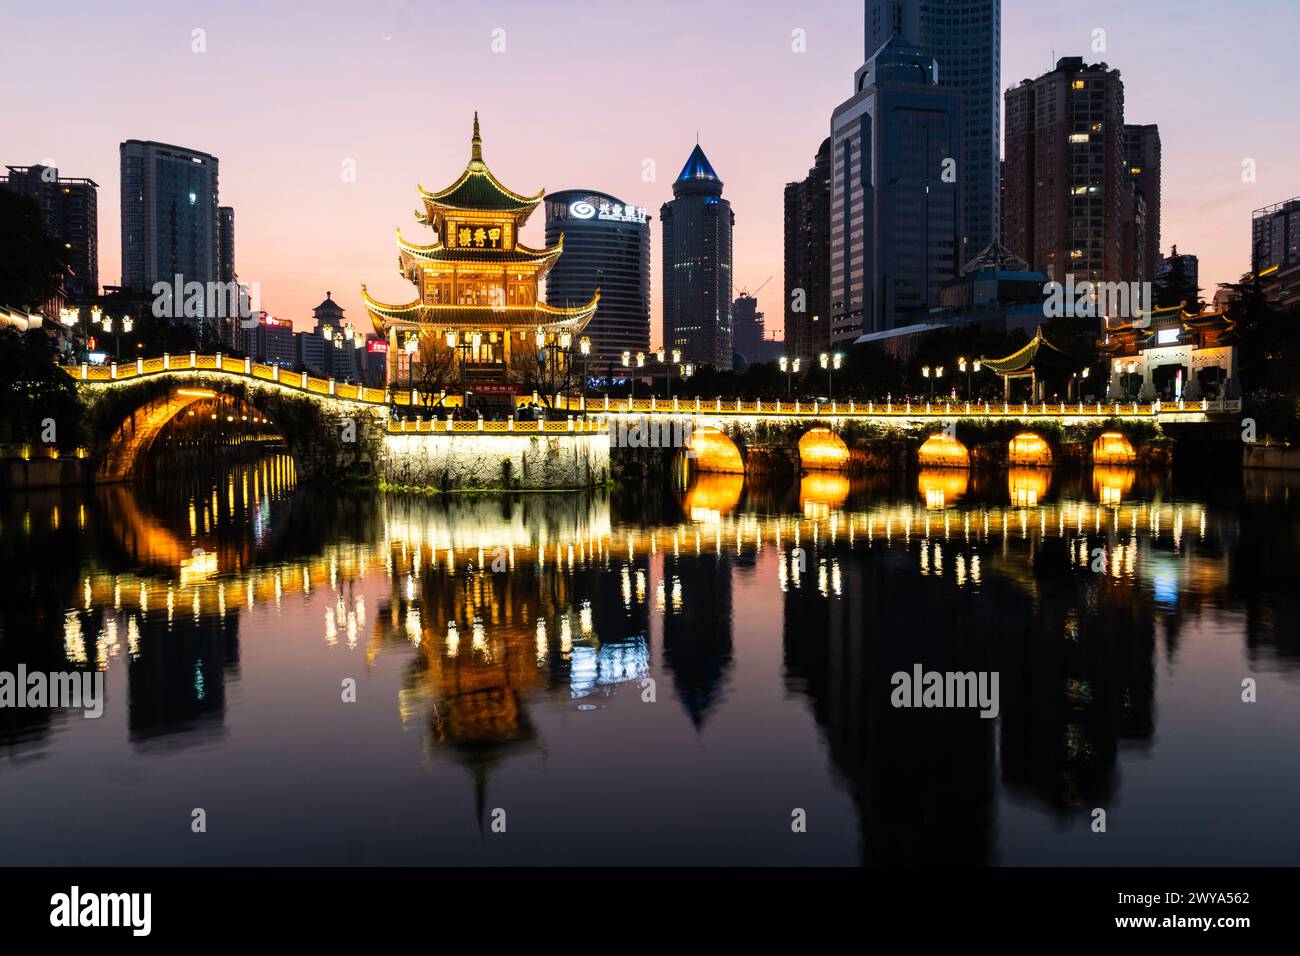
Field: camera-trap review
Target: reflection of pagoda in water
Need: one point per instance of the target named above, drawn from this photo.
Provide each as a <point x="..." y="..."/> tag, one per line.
<point x="499" y="629"/>
<point x="477" y="309"/>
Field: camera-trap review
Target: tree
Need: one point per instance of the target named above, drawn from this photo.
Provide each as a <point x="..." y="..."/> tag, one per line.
<point x="548" y="372"/>
<point x="435" y="371"/>
<point x="1177" y="288"/>
<point x="38" y="400"/>
<point x="32" y="262"/>
<point x="1266" y="337"/>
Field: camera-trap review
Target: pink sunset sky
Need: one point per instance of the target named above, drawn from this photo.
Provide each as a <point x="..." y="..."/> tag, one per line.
<point x="583" y="93"/>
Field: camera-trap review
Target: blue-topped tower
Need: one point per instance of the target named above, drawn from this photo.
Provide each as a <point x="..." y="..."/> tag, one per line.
<point x="697" y="274"/>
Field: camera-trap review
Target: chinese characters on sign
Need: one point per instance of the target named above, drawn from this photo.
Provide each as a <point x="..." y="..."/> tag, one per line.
<point x="468" y="235"/>
<point x="612" y="212"/>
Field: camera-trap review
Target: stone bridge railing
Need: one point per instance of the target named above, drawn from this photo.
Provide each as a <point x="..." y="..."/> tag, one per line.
<point x="330" y="388"/>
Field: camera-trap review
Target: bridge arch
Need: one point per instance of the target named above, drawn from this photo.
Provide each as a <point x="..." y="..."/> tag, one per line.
<point x="820" y="449"/>
<point x="1029" y="449"/>
<point x="1113" y="448"/>
<point x="713" y="450"/>
<point x="943" y="451"/>
<point x="126" y="418"/>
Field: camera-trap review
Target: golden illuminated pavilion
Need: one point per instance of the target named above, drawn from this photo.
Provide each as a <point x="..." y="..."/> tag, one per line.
<point x="477" y="317"/>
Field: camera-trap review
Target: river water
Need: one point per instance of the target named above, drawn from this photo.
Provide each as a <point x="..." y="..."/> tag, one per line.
<point x="657" y="676"/>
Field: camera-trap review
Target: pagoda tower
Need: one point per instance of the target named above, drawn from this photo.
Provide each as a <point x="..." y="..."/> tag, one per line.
<point x="478" y="320"/>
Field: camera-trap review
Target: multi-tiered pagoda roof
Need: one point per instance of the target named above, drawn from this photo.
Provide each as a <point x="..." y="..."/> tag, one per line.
<point x="476" y="274"/>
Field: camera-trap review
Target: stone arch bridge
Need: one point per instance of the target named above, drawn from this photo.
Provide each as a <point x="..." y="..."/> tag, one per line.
<point x="334" y="429"/>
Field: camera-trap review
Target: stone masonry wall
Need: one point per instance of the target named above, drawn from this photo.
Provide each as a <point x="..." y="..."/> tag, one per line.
<point x="499" y="462"/>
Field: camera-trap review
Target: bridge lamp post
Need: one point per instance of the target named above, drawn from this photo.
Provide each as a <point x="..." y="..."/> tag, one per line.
<point x="789" y="366"/>
<point x="565" y="348"/>
<point x="70" y="318"/>
<point x="584" y="349"/>
<point x="967" y="367"/>
<point x="628" y="364"/>
<point x="412" y="343"/>
<point x="830" y="362"/>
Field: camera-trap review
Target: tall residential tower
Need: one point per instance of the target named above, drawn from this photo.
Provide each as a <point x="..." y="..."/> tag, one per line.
<point x="70" y="213"/>
<point x="808" y="259"/>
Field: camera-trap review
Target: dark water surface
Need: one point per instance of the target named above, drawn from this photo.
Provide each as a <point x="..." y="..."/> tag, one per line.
<point x="645" y="676"/>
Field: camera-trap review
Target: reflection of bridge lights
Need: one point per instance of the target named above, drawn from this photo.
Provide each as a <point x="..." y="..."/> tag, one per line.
<point x="640" y="586"/>
<point x="677" y="593"/>
<point x="74" y="643"/>
<point x="661" y="599"/>
<point x="626" y="579"/>
<point x="566" y="635"/>
<point x="133" y="638"/>
<point x="331" y="633"/>
<point x="479" y="636"/>
<point x="198" y="567"/>
<point x="584" y="618"/>
<point x="453" y="639"/>
<point x="541" y="642"/>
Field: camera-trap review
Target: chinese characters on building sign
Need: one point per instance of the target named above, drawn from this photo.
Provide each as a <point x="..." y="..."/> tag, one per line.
<point x="613" y="212"/>
<point x="468" y="235"/>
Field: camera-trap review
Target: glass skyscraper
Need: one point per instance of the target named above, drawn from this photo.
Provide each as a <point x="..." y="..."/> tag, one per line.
<point x="606" y="247"/>
<point x="697" y="226"/>
<point x="895" y="217"/>
<point x="965" y="36"/>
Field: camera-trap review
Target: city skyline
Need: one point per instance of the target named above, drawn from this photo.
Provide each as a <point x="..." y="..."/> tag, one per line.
<point x="289" y="134"/>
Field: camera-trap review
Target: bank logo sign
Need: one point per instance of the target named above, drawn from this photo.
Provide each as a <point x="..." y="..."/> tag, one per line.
<point x="611" y="212"/>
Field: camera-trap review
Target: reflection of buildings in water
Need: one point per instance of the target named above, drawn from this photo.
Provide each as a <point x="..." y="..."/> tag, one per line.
<point x="1074" y="647"/>
<point x="1026" y="487"/>
<point x="922" y="780"/>
<point x="697" y="622"/>
<point x="1111" y="484"/>
<point x="942" y="487"/>
<point x="177" y="672"/>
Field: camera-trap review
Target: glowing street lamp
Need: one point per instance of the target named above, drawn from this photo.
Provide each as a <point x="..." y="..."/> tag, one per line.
<point x="412" y="343"/>
<point x="631" y="382"/>
<point x="829" y="362"/>
<point x="584" y="349"/>
<point x="968" y="367"/>
<point x="788" y="366"/>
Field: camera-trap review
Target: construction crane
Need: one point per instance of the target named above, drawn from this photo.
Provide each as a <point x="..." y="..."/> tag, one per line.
<point x="755" y="293"/>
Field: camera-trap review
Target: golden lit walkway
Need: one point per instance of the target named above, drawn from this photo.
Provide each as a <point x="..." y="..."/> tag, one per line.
<point x="108" y="375"/>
